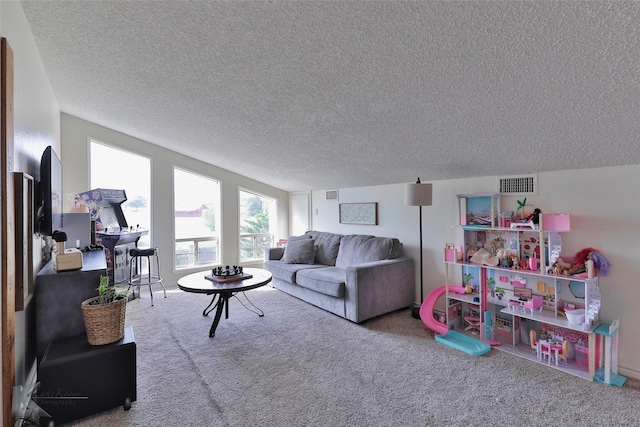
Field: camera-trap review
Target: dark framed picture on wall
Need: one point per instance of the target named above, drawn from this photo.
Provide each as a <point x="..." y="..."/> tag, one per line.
<point x="23" y="203"/>
<point x="359" y="213"/>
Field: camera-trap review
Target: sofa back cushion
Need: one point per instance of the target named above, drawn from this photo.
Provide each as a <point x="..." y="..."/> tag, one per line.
<point x="300" y="251"/>
<point x="358" y="249"/>
<point x="302" y="237"/>
<point x="327" y="245"/>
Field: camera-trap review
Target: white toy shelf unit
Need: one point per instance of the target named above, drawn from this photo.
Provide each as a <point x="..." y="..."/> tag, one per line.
<point x="517" y="283"/>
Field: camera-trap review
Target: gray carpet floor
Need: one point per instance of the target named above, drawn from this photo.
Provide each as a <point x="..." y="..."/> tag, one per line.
<point x="301" y="366"/>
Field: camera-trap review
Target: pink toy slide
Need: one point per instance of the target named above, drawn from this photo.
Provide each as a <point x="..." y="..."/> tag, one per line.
<point x="426" y="309"/>
<point x="443" y="334"/>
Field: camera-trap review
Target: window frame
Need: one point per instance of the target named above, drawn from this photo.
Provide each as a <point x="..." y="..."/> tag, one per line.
<point x="273" y="223"/>
<point x="216" y="237"/>
<point x="145" y="239"/>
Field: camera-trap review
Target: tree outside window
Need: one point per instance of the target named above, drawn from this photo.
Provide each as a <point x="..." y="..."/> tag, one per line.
<point x="257" y="219"/>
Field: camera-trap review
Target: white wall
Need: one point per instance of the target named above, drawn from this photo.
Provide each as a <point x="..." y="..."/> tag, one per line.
<point x="36" y="125"/>
<point x="75" y="161"/>
<point x="604" y="204"/>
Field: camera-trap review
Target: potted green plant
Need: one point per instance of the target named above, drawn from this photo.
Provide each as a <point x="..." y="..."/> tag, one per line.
<point x="490" y="284"/>
<point x="466" y="282"/>
<point x="521" y="205"/>
<point x="499" y="293"/>
<point x="104" y="314"/>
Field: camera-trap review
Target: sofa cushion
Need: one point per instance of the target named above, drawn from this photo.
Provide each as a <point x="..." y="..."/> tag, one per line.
<point x="302" y="237"/>
<point x="287" y="272"/>
<point x="325" y="280"/>
<point x="358" y="249"/>
<point x="327" y="246"/>
<point x="300" y="251"/>
<point x="293" y="239"/>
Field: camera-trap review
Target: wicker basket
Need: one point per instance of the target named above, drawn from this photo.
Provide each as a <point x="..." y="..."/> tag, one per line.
<point x="104" y="322"/>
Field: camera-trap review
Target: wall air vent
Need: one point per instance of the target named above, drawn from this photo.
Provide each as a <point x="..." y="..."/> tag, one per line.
<point x="518" y="185"/>
<point x="331" y="195"/>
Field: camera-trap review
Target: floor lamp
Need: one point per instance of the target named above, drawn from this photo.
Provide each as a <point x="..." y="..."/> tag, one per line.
<point x="418" y="194"/>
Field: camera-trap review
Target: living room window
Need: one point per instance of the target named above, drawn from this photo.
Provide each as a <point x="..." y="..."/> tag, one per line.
<point x="257" y="224"/>
<point x="196" y="216"/>
<point x="105" y="161"/>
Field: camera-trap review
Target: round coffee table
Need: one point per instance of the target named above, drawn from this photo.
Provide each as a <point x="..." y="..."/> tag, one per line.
<point x="197" y="283"/>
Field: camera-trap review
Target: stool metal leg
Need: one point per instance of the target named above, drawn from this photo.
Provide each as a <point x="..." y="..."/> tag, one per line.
<point x="158" y="274"/>
<point x="149" y="279"/>
<point x="132" y="261"/>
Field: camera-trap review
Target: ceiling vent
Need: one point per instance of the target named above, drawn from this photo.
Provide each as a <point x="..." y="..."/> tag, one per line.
<point x="331" y="195"/>
<point x="518" y="185"/>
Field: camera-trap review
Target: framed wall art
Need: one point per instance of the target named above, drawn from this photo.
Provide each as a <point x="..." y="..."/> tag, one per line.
<point x="24" y="212"/>
<point x="359" y="213"/>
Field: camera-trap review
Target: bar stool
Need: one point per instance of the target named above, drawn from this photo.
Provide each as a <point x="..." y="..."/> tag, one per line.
<point x="136" y="275"/>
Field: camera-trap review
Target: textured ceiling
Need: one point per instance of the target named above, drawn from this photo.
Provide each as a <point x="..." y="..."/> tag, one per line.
<point x="335" y="94"/>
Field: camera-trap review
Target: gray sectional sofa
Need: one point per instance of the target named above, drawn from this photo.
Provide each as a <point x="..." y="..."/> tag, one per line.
<point x="354" y="276"/>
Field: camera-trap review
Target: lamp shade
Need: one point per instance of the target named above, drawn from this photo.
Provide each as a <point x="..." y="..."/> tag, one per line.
<point x="417" y="194"/>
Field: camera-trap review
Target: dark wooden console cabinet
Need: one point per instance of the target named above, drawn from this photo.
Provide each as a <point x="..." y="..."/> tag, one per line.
<point x="78" y="379"/>
<point x="58" y="297"/>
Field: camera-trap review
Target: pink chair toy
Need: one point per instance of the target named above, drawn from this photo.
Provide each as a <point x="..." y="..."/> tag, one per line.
<point x="562" y="355"/>
<point x="544" y="350"/>
<point x="533" y="341"/>
<point x="533" y="304"/>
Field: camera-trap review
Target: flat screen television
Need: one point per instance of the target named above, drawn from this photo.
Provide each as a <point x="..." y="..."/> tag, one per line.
<point x="522" y="293"/>
<point x="49" y="215"/>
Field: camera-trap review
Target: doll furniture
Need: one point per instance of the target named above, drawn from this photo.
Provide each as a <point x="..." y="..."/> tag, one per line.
<point x="533" y="304"/>
<point x="550" y="349"/>
<point x="608" y="374"/>
<point x="544" y="350"/>
<point x="581" y="354"/>
<point x="533" y="341"/>
<point x="472" y="322"/>
<point x="514" y="305"/>
<point x="564" y="353"/>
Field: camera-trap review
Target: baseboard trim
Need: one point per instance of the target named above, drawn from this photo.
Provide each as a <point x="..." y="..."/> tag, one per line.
<point x="629" y="373"/>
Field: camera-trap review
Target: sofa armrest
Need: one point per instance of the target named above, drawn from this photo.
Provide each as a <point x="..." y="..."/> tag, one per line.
<point x="273" y="253"/>
<point x="379" y="287"/>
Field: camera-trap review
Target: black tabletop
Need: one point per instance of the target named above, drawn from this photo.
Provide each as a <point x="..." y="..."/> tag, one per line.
<point x="197" y="283"/>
